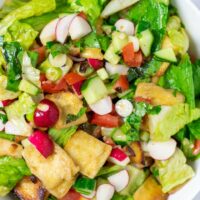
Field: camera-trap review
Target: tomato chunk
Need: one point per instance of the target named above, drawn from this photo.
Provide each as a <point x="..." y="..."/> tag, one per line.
<point x="108" y="120"/>
<point x="72" y="78"/>
<point x="122" y="84"/>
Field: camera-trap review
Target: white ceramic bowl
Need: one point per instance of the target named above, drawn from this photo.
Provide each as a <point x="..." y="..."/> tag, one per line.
<point x="190" y="16"/>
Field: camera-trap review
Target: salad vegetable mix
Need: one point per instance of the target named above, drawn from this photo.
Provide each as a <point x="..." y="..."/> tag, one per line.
<point x="99" y="100"/>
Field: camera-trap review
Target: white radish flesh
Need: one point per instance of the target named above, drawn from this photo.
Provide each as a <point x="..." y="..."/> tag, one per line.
<point x="79" y="28"/>
<point x="135" y="41"/>
<point x="49" y="32"/>
<point x="161" y="150"/>
<point x="2" y="125"/>
<point x="58" y="61"/>
<point x="105" y="192"/>
<point x="119" y="180"/>
<point x="125" y="26"/>
<point x="116" y="69"/>
<point x="11" y="128"/>
<point x="62" y="29"/>
<point x="103" y="106"/>
<point x="115" y="6"/>
<point x="124" y="107"/>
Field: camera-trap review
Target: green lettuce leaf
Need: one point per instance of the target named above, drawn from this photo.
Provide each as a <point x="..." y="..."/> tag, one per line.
<point x="196" y="77"/>
<point x="22" y="33"/>
<point x="4" y="93"/>
<point x="16" y="114"/>
<point x="32" y="8"/>
<point x="11" y="51"/>
<point x="173" y="172"/>
<point x="61" y="136"/>
<point x="171" y="120"/>
<point x="153" y="13"/>
<point x="180" y="78"/>
<point x="12" y="170"/>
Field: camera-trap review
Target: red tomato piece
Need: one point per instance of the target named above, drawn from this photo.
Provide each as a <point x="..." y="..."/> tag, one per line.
<point x="122" y="83"/>
<point x="72" y="78"/>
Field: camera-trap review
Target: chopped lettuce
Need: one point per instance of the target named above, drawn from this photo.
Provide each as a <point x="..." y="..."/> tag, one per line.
<point x="4" y="93"/>
<point x="170" y="120"/>
<point x="11" y="51"/>
<point x="61" y="136"/>
<point x="180" y="78"/>
<point x="151" y="12"/>
<point x="12" y="170"/>
<point x="196" y="77"/>
<point x="6" y="136"/>
<point x="29" y="72"/>
<point x="32" y="8"/>
<point x="173" y="172"/>
<point x="22" y="33"/>
<point x="16" y="114"/>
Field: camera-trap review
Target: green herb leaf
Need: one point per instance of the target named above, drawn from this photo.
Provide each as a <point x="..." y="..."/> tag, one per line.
<point x="63" y="135"/>
<point x="56" y="48"/>
<point x="71" y="117"/>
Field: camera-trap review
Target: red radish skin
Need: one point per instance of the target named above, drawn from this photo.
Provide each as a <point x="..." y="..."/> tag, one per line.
<point x="95" y="63"/>
<point x="46" y="114"/>
<point x="42" y="142"/>
<point x="77" y="87"/>
<point x="6" y="102"/>
<point x="118" y="157"/>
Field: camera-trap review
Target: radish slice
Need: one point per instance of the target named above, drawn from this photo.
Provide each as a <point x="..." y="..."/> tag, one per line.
<point x="118" y="157"/>
<point x="124" y="108"/>
<point x="125" y="26"/>
<point x="116" y="69"/>
<point x="135" y="41"/>
<point x="62" y="29"/>
<point x="161" y="150"/>
<point x="105" y="192"/>
<point x="103" y="106"/>
<point x="79" y="28"/>
<point x="42" y="142"/>
<point x="119" y="180"/>
<point x="49" y="32"/>
<point x="58" y="61"/>
<point x="94" y="63"/>
<point x="115" y="6"/>
<point x="46" y="114"/>
<point x="6" y="103"/>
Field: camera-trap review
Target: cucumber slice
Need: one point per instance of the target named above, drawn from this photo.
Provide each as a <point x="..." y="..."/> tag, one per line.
<point x="111" y="56"/>
<point x="119" y="137"/>
<point x="102" y="73"/>
<point x="28" y="87"/>
<point x="119" y="40"/>
<point x="166" y="55"/>
<point x="93" y="90"/>
<point x="146" y="39"/>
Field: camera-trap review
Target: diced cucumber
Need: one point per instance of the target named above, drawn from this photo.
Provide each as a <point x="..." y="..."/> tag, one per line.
<point x="119" y="137"/>
<point x="93" y="90"/>
<point x="87" y="72"/>
<point x="28" y="87"/>
<point x="53" y="73"/>
<point x="119" y="40"/>
<point x="102" y="73"/>
<point x="107" y="29"/>
<point x="146" y="39"/>
<point x="111" y="56"/>
<point x="166" y="55"/>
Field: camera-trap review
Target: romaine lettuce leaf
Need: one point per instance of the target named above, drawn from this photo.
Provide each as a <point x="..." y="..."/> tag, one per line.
<point x="22" y="33"/>
<point x="12" y="170"/>
<point x="16" y="114"/>
<point x="4" y="93"/>
<point x="174" y="171"/>
<point x="11" y="51"/>
<point x="151" y="12"/>
<point x="180" y="77"/>
<point x="32" y="8"/>
<point x="196" y="77"/>
<point x="170" y="120"/>
<point x="61" y="136"/>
